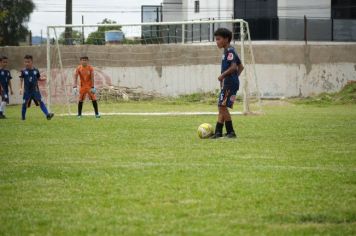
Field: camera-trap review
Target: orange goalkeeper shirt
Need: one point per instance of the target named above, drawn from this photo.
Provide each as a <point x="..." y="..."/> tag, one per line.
<point x="85" y="75"/>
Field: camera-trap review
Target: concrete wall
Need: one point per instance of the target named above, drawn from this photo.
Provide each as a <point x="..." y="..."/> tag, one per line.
<point x="283" y="69"/>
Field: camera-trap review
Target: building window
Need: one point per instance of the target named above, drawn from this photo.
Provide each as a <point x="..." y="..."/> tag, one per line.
<point x="196" y="7"/>
<point x="343" y="9"/>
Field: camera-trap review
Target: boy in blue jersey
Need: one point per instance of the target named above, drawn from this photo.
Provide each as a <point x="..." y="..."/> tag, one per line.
<point x="5" y="84"/>
<point x="231" y="68"/>
<point x="29" y="86"/>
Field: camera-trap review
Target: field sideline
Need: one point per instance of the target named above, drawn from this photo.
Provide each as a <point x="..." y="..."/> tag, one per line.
<point x="291" y="171"/>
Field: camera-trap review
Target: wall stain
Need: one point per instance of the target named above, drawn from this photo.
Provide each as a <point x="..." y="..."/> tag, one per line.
<point x="307" y="61"/>
<point x="159" y="70"/>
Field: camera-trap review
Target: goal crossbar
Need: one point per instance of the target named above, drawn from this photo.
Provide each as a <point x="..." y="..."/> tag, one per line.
<point x="150" y="23"/>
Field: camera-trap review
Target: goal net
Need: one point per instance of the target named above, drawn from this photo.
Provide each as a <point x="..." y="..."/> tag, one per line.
<point x="147" y="62"/>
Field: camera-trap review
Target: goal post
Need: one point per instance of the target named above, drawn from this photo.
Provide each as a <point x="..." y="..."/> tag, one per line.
<point x="146" y="60"/>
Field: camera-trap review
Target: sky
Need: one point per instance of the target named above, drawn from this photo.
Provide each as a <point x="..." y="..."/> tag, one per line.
<point x="52" y="12"/>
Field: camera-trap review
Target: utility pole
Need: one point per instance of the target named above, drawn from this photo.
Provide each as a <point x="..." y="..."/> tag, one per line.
<point x="68" y="31"/>
<point x="83" y="37"/>
<point x="305" y="29"/>
<point x="30" y="38"/>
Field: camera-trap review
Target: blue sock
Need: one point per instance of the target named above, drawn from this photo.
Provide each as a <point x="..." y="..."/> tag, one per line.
<point x="44" y="108"/>
<point x="24" y="108"/>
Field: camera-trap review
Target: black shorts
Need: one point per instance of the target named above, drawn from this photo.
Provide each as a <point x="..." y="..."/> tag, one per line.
<point x="227" y="96"/>
<point x="29" y="96"/>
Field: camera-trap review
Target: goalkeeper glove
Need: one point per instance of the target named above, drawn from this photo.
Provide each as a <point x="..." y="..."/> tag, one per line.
<point x="93" y="90"/>
<point x="75" y="91"/>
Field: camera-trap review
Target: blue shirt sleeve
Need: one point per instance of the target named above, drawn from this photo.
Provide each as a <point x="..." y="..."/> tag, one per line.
<point x="38" y="74"/>
<point x="21" y="75"/>
<point x="9" y="75"/>
<point x="231" y="56"/>
<point x="238" y="61"/>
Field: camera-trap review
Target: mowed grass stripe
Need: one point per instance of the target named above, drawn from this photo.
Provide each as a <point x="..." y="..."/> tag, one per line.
<point x="291" y="171"/>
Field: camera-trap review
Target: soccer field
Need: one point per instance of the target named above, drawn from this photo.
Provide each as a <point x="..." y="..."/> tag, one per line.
<point x="291" y="171"/>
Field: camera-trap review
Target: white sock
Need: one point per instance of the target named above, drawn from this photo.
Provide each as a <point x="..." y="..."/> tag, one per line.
<point x="3" y="105"/>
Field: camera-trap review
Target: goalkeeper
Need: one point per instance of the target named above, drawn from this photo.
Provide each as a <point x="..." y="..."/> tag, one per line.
<point x="86" y="75"/>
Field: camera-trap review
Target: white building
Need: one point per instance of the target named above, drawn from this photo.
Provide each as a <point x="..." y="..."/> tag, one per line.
<point x="195" y="10"/>
<point x="274" y="19"/>
<point x="308" y="8"/>
<point x="187" y="10"/>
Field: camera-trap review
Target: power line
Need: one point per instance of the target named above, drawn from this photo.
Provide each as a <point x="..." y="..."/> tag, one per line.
<point x="53" y="7"/>
<point x="174" y="11"/>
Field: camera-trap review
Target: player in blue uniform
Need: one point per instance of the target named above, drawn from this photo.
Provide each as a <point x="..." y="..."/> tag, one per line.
<point x="5" y="84"/>
<point x="231" y="68"/>
<point x="29" y="85"/>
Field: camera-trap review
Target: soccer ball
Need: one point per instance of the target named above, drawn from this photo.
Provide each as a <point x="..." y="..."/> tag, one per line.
<point x="205" y="130"/>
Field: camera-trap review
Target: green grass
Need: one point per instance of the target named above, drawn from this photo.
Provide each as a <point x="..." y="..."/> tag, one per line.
<point x="292" y="171"/>
<point x="347" y="95"/>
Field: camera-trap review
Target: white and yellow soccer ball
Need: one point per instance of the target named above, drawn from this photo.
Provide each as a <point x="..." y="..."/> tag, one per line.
<point x="205" y="130"/>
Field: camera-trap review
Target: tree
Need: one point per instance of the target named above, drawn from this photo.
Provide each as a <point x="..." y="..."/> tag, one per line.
<point x="98" y="37"/>
<point x="13" y="15"/>
<point x="76" y="37"/>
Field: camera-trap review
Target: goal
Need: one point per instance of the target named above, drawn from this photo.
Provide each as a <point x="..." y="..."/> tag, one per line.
<point x="146" y="62"/>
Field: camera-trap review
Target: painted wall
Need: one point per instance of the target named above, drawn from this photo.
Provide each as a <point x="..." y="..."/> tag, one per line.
<point x="283" y="69"/>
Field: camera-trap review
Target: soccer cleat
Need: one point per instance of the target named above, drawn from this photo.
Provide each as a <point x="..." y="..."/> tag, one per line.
<point x="2" y="116"/>
<point x="50" y="116"/>
<point x="97" y="116"/>
<point x="231" y="135"/>
<point x="216" y="136"/>
<point x="79" y="116"/>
